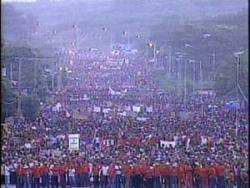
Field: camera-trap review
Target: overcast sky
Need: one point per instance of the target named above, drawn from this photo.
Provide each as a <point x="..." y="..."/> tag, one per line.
<point x="18" y="0"/>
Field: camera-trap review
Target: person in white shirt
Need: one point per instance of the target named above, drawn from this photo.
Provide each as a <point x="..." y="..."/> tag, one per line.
<point x="104" y="175"/>
<point x="118" y="179"/>
<point x="2" y="172"/>
<point x="72" y="181"/>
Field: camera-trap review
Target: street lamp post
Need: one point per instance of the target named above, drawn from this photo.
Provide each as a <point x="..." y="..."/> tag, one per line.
<point x="179" y="72"/>
<point x="185" y="84"/>
<point x="11" y="72"/>
<point x="193" y="75"/>
<point x="19" y="88"/>
<point x="154" y="46"/>
<point x="237" y="54"/>
<point x="60" y="78"/>
<point x="200" y="77"/>
<point x="169" y="63"/>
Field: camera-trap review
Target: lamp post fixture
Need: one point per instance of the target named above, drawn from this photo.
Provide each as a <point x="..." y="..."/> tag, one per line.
<point x="237" y="55"/>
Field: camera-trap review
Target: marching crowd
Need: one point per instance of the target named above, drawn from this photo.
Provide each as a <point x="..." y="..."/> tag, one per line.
<point x="132" y="135"/>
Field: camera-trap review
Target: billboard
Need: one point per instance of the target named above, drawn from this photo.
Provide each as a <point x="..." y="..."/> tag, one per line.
<point x="74" y="141"/>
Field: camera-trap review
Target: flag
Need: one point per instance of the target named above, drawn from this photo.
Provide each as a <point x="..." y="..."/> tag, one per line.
<point x="97" y="109"/>
<point x="150" y="44"/>
<point x="136" y="108"/>
<point x="149" y="109"/>
<point x="188" y="143"/>
<point x="67" y="114"/>
<point x="138" y="36"/>
<point x="111" y="91"/>
<point x="104" y="29"/>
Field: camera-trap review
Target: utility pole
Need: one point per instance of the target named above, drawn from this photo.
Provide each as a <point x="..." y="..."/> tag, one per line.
<point x="155" y="50"/>
<point x="200" y="80"/>
<point x="214" y="63"/>
<point x="185" y="85"/>
<point x="194" y="76"/>
<point x="147" y="52"/>
<point x="179" y="69"/>
<point x="128" y="40"/>
<point x="111" y="41"/>
<point x="237" y="54"/>
<point x="19" y="88"/>
<point x="11" y="74"/>
<point x="237" y="94"/>
<point x="59" y="78"/>
<point x="179" y="74"/>
<point x="53" y="76"/>
<point x="169" y="62"/>
<point x="35" y="74"/>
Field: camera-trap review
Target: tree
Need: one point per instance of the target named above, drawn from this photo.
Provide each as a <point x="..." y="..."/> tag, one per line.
<point x="37" y="88"/>
<point x="9" y="101"/>
<point x="227" y="34"/>
<point x="30" y="106"/>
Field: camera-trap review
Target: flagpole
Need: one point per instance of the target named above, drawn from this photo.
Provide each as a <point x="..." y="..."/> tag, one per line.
<point x="111" y="41"/>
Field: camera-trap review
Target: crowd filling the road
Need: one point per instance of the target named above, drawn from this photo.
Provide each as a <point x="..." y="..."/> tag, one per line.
<point x="132" y="134"/>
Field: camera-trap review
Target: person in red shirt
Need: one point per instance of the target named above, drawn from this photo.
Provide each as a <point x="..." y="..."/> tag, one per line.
<point x="96" y="171"/>
<point x="197" y="176"/>
<point x="84" y="169"/>
<point x="173" y="176"/>
<point x="19" y="173"/>
<point x="201" y="174"/>
<point x="165" y="174"/>
<point x="189" y="176"/>
<point x="36" y="172"/>
<point x="205" y="177"/>
<point x="112" y="174"/>
<point x="149" y="177"/>
<point x="157" y="175"/>
<point x="54" y="177"/>
<point x="128" y="173"/>
<point x="45" y="175"/>
<point x="78" y="174"/>
<point x="211" y="176"/>
<point x="181" y="174"/>
<point x="62" y="174"/>
<point x="220" y="171"/>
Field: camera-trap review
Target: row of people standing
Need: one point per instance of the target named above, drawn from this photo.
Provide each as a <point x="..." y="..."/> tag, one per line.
<point x="124" y="175"/>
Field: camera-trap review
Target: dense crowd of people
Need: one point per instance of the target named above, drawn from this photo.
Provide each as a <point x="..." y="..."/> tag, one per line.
<point x="132" y="134"/>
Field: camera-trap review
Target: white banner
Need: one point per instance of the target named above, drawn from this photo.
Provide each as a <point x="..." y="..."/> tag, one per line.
<point x="167" y="144"/>
<point x="128" y="108"/>
<point x="122" y="114"/>
<point x="27" y="145"/>
<point x="4" y="72"/>
<point x="108" y="142"/>
<point x="136" y="108"/>
<point x="58" y="106"/>
<point x="203" y="140"/>
<point x="106" y="110"/>
<point x="149" y="109"/>
<point x="85" y="97"/>
<point x="97" y="109"/>
<point x="74" y="140"/>
<point x="141" y="118"/>
<point x="67" y="114"/>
